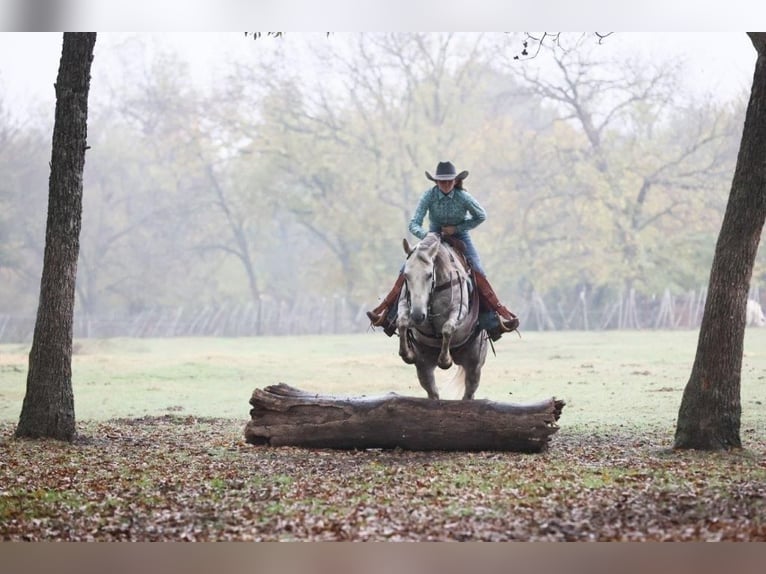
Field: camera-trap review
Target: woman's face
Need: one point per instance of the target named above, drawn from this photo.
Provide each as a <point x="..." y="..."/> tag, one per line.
<point x="445" y="186"/>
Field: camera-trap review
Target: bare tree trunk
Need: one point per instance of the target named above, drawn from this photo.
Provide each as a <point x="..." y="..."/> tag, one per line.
<point x="709" y="417"/>
<point x="48" y="409"/>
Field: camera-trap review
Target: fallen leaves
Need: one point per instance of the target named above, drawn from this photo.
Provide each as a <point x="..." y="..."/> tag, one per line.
<point x="184" y="478"/>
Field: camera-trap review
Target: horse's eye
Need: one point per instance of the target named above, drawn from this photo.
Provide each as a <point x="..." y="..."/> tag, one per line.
<point x="429" y="276"/>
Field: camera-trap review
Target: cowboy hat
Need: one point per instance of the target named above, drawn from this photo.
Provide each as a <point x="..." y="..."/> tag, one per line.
<point x="445" y="171"/>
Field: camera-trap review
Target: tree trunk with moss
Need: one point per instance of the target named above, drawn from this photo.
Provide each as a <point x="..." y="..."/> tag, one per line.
<point x="709" y="416"/>
<point x="48" y="409"/>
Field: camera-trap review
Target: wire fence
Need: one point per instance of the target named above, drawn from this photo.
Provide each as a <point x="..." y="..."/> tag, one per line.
<point x="336" y="315"/>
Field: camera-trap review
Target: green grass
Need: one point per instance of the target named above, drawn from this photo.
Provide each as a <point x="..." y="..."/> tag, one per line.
<point x="610" y="473"/>
<point x="631" y="378"/>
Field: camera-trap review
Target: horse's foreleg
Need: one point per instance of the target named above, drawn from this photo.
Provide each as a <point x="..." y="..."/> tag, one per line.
<point x="427" y="380"/>
<point x="406" y="352"/>
<point x="445" y="357"/>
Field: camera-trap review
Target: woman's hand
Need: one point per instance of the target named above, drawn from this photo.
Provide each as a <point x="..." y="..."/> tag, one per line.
<point x="449" y="230"/>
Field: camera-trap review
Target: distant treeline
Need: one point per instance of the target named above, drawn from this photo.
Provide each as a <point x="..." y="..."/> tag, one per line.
<point x="275" y="201"/>
<point x="316" y="316"/>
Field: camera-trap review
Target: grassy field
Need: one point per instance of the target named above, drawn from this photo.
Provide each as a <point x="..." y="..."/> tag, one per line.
<point x="612" y="378"/>
<point x="160" y="453"/>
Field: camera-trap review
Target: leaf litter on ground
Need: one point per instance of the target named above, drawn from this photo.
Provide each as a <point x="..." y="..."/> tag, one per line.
<point x="195" y="479"/>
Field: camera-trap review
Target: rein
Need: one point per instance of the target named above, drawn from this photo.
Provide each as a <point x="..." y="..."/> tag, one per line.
<point x="436" y="288"/>
<point x="456" y="281"/>
<point x="447" y="284"/>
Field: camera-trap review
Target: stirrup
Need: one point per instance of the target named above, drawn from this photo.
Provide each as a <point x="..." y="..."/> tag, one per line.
<point x="495" y="335"/>
<point x="507" y="325"/>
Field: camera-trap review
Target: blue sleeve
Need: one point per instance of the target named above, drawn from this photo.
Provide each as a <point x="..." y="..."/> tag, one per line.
<point x="416" y="223"/>
<point x="478" y="215"/>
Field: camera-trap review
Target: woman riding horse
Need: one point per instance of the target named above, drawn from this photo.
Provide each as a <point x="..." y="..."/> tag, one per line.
<point x="453" y="212"/>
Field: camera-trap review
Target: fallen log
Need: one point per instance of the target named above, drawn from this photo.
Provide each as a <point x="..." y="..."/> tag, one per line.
<point x="286" y="416"/>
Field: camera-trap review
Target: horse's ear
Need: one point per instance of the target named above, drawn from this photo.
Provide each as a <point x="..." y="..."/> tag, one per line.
<point x="406" y="245"/>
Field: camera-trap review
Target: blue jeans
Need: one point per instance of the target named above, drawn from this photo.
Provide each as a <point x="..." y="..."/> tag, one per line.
<point x="470" y="251"/>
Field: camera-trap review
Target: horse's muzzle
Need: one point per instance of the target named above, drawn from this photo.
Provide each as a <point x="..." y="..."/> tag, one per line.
<point x="418" y="317"/>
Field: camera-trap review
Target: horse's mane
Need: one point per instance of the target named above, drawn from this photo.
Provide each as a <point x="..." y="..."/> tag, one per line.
<point x="442" y="254"/>
<point x="429" y="240"/>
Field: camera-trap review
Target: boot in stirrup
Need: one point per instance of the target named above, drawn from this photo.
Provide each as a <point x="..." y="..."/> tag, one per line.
<point x="385" y="319"/>
<point x="503" y="320"/>
<point x="508" y="325"/>
<point x="384" y="315"/>
<point x="377" y="318"/>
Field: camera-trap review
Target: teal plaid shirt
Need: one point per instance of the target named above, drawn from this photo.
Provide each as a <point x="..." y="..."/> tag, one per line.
<point x="457" y="208"/>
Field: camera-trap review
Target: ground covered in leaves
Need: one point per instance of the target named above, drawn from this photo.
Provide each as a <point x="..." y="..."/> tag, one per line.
<point x="184" y="478"/>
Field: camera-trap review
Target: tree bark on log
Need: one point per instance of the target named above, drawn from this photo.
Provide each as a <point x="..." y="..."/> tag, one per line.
<point x="286" y="416"/>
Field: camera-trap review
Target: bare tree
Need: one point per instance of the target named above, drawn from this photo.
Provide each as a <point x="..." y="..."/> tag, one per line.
<point x="626" y="153"/>
<point x="709" y="416"/>
<point x="48" y="408"/>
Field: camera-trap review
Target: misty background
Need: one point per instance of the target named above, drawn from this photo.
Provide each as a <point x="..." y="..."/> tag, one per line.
<point x="242" y="187"/>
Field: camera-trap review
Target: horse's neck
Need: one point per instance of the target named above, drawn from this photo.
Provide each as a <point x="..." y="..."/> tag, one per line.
<point x="442" y="273"/>
<point x="447" y="265"/>
<point x="449" y="279"/>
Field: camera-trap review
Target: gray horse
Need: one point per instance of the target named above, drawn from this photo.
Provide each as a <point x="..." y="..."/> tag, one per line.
<point x="438" y="316"/>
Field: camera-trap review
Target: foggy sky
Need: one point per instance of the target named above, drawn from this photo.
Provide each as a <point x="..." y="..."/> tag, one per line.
<point x="719" y="63"/>
<point x="388" y="15"/>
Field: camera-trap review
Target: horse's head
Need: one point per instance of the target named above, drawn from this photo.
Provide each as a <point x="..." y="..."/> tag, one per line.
<point x="419" y="275"/>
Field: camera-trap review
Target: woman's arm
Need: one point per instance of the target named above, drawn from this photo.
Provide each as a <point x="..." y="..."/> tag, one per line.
<point x="478" y="215"/>
<point x="416" y="223"/>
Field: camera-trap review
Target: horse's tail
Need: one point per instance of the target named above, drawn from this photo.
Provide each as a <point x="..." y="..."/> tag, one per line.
<point x="455" y="387"/>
